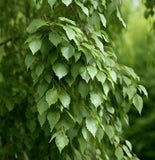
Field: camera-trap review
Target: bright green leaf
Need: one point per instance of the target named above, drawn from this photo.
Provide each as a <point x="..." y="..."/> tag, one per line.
<point x="101" y="77"/>
<point x="67" y="51"/>
<point x="138" y="102"/>
<point x="64" y="98"/>
<point x="92" y="71"/>
<point x="67" y="2"/>
<point x="109" y="131"/>
<point x="84" y="73"/>
<point x="60" y="69"/>
<point x="96" y="99"/>
<point x="35" y="46"/>
<point x="113" y="75"/>
<point x="51" y="96"/>
<point x="84" y="9"/>
<point x="70" y="33"/>
<point x="92" y="125"/>
<point x="103" y="19"/>
<point x="120" y="18"/>
<point x="119" y="153"/>
<point x="61" y="141"/>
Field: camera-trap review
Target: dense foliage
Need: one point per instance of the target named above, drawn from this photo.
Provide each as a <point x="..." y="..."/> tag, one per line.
<point x="71" y="99"/>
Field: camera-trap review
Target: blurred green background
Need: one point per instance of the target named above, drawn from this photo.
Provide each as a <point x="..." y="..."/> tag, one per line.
<point x="135" y="47"/>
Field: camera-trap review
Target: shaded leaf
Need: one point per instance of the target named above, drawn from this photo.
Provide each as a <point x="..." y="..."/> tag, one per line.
<point x="29" y="59"/>
<point x="55" y="38"/>
<point x="51" y="3"/>
<point x="53" y="117"/>
<point x="42" y="105"/>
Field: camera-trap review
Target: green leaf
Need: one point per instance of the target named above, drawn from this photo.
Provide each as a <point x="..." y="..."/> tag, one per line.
<point x="60" y="69"/>
<point x="106" y="88"/>
<point x="103" y="19"/>
<point x="138" y="102"/>
<point x="120" y="18"/>
<point x="67" y="2"/>
<point x="68" y="51"/>
<point x="86" y="134"/>
<point x="84" y="9"/>
<point x="53" y="57"/>
<point x="109" y="131"/>
<point x="67" y="20"/>
<point x="92" y="125"/>
<point x="77" y="56"/>
<point x="42" y="118"/>
<point x="51" y="96"/>
<point x="35" y="25"/>
<point x="144" y="90"/>
<point x="92" y="71"/>
<point x="127" y="80"/>
<point x="53" y="117"/>
<point x="127" y="151"/>
<point x="119" y="153"/>
<point x="118" y="125"/>
<point x="61" y="141"/>
<point x="83" y="144"/>
<point x="29" y="60"/>
<point x="98" y="43"/>
<point x="83" y="89"/>
<point x="75" y="69"/>
<point x="39" y="69"/>
<point x="105" y="36"/>
<point x="101" y="77"/>
<point x="131" y="91"/>
<point x="42" y="106"/>
<point x="64" y="98"/>
<point x="113" y="75"/>
<point x="128" y="144"/>
<point x="84" y="73"/>
<point x="70" y="33"/>
<point x="51" y="3"/>
<point x="55" y="38"/>
<point x="99" y="134"/>
<point x="41" y="89"/>
<point x="35" y="46"/>
<point x="96" y="99"/>
<point x="110" y="109"/>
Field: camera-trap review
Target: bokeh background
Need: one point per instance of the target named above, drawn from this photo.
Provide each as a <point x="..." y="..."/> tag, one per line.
<point x="135" y="47"/>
